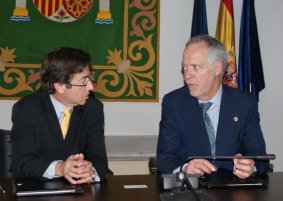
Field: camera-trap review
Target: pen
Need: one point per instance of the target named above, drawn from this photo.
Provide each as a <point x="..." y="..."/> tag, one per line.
<point x="2" y="190"/>
<point x="256" y="157"/>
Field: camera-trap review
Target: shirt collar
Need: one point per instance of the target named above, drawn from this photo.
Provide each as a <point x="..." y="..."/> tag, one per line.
<point x="216" y="100"/>
<point x="59" y="107"/>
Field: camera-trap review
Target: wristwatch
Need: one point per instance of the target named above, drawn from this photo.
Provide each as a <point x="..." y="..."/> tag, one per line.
<point x="93" y="176"/>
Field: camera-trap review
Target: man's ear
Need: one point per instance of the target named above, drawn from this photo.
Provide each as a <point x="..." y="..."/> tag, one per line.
<point x="218" y="68"/>
<point x="60" y="88"/>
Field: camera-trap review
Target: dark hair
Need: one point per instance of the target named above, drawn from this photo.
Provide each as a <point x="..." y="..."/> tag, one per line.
<point x="60" y="65"/>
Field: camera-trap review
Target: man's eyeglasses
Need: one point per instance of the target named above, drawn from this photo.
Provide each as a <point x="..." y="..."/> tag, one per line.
<point x="89" y="78"/>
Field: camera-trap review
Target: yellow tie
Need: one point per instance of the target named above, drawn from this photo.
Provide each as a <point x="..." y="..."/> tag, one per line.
<point x="66" y="120"/>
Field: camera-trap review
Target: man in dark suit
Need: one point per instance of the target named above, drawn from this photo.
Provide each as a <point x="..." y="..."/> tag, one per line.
<point x="40" y="149"/>
<point x="234" y="117"/>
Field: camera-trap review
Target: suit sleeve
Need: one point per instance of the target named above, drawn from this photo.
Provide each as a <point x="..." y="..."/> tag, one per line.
<point x="26" y="160"/>
<point x="95" y="150"/>
<point x="168" y="158"/>
<point x="254" y="143"/>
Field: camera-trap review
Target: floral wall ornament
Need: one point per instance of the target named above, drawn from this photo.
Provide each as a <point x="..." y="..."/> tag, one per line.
<point x="7" y="55"/>
<point x="125" y="54"/>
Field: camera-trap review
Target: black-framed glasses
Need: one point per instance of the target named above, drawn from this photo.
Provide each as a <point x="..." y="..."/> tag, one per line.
<point x="89" y="78"/>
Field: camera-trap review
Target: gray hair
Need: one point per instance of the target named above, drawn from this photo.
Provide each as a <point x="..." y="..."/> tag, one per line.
<point x="216" y="50"/>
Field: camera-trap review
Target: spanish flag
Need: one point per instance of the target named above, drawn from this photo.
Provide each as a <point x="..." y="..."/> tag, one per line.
<point x="225" y="34"/>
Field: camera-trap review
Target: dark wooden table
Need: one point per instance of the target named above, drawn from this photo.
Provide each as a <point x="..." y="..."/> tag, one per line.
<point x="112" y="189"/>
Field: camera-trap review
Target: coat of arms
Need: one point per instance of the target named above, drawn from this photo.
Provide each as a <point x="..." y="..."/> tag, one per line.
<point x="63" y="10"/>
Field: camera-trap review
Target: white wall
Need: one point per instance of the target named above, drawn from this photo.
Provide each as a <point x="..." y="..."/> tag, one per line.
<point x="175" y="28"/>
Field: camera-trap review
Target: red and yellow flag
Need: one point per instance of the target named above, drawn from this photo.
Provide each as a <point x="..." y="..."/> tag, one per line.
<point x="225" y="34"/>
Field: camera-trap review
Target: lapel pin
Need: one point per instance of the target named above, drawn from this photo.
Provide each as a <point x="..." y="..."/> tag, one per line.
<point x="235" y="119"/>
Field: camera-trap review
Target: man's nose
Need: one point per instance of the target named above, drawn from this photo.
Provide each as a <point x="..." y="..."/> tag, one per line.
<point x="90" y="85"/>
<point x="188" y="71"/>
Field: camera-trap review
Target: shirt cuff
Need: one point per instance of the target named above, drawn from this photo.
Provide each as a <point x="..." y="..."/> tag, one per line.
<point x="254" y="171"/>
<point x="50" y="171"/>
<point x="95" y="177"/>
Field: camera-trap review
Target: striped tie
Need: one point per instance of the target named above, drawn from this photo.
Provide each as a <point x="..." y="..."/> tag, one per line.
<point x="209" y="126"/>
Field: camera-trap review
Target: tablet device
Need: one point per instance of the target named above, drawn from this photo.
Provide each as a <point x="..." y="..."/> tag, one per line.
<point x="49" y="187"/>
<point x="223" y="178"/>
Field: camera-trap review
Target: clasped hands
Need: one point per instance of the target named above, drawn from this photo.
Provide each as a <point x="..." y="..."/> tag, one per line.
<point x="75" y="169"/>
<point x="243" y="168"/>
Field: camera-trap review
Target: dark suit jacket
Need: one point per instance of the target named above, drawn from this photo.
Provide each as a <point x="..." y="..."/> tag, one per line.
<point x="183" y="133"/>
<point x="37" y="139"/>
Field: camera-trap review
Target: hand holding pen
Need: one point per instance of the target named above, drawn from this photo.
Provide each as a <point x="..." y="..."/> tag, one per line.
<point x="202" y="164"/>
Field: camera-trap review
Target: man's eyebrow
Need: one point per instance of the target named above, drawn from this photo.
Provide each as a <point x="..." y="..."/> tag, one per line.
<point x="84" y="77"/>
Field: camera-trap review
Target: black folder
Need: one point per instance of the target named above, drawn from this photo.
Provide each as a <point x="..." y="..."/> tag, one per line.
<point x="223" y="178"/>
<point x="184" y="195"/>
<point x="49" y="187"/>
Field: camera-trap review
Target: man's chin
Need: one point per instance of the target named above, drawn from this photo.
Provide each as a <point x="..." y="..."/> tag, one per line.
<point x="193" y="93"/>
<point x="83" y="102"/>
<point x="192" y="89"/>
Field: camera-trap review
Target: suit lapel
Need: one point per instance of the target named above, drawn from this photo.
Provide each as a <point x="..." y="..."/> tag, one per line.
<point x="194" y="123"/>
<point x="51" y="117"/>
<point x="228" y="116"/>
<point x="53" y="122"/>
<point x="73" y="126"/>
